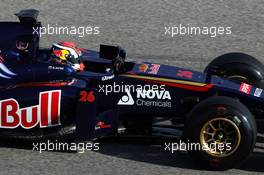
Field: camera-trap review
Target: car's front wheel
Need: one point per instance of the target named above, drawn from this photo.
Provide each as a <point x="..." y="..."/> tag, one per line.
<point x="220" y="132"/>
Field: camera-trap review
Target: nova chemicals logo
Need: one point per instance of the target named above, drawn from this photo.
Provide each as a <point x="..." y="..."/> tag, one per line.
<point x="148" y="98"/>
<point x="151" y="94"/>
<point x="126" y="99"/>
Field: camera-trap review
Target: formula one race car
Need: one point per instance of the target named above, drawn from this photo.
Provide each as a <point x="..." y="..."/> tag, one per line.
<point x="215" y="110"/>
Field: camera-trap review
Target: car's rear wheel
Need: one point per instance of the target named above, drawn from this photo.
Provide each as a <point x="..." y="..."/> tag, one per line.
<point x="238" y="66"/>
<point x="222" y="132"/>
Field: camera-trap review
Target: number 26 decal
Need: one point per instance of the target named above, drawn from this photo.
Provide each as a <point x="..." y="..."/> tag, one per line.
<point x="87" y="96"/>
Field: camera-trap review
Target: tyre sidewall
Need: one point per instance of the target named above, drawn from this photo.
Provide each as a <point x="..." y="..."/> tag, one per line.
<point x="246" y="127"/>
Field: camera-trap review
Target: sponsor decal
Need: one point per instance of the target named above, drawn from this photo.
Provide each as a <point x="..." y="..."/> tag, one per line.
<point x="151" y="94"/>
<point x="185" y="74"/>
<point x="45" y="114"/>
<point x="258" y="92"/>
<point x="143" y="67"/>
<point x="245" y="88"/>
<point x="149" y="98"/>
<point x="154" y="69"/>
<point x="102" y="125"/>
<point x="55" y="68"/>
<point x="149" y="68"/>
<point x="109" y="77"/>
<point x="126" y="99"/>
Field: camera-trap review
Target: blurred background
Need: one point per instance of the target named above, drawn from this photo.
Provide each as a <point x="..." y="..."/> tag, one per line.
<point x="138" y="26"/>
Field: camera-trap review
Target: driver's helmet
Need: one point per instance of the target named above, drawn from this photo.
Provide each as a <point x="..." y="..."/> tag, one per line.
<point x="66" y="53"/>
<point x="22" y="45"/>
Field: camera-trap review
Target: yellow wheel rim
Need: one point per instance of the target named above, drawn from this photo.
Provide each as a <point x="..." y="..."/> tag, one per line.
<point x="220" y="137"/>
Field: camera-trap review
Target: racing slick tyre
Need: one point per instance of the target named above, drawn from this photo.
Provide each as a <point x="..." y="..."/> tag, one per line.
<point x="238" y="66"/>
<point x="220" y="133"/>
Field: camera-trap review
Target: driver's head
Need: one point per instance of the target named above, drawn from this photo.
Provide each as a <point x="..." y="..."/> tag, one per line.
<point x="64" y="52"/>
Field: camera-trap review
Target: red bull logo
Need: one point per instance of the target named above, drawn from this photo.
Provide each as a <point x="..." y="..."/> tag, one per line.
<point x="149" y="68"/>
<point x="143" y="67"/>
<point x="45" y="114"/>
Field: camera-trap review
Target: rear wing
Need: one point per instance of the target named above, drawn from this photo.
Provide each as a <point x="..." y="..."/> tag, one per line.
<point x="27" y="29"/>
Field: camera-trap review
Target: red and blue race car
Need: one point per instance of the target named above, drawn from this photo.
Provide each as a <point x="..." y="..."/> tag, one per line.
<point x="219" y="110"/>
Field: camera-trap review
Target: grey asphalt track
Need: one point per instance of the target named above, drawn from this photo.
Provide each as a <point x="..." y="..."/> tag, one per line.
<point x="138" y="26"/>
